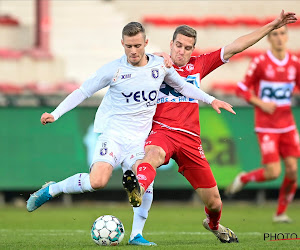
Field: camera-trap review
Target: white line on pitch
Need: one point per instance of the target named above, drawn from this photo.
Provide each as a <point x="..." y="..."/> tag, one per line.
<point x="55" y="232"/>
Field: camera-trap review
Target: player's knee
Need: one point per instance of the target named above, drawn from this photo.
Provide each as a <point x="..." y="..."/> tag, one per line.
<point x="98" y="182"/>
<point x="155" y="152"/>
<point x="214" y="204"/>
<point x="291" y="172"/>
<point x="275" y="174"/>
<point x="100" y="174"/>
<point x="272" y="171"/>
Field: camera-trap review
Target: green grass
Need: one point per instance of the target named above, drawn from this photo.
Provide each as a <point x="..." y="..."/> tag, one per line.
<point x="171" y="226"/>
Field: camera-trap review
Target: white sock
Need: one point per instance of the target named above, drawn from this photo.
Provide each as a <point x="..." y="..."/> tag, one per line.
<point x="141" y="213"/>
<point x="78" y="183"/>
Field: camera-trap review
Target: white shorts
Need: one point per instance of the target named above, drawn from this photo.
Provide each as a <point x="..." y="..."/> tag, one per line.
<point x="116" y="153"/>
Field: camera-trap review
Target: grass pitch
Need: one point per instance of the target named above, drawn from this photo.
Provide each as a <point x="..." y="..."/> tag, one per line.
<point x="171" y="226"/>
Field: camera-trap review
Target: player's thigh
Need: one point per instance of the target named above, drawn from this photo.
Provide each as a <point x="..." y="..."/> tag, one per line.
<point x="163" y="142"/>
<point x="269" y="147"/>
<point x="154" y="155"/>
<point x="199" y="176"/>
<point x="107" y="150"/>
<point x="133" y="155"/>
<point x="193" y="164"/>
<point x="289" y="144"/>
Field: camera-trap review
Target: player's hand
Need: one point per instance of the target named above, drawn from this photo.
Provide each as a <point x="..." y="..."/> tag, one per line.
<point x="47" y="118"/>
<point x="218" y="104"/>
<point x="167" y="59"/>
<point x="268" y="107"/>
<point x="284" y="18"/>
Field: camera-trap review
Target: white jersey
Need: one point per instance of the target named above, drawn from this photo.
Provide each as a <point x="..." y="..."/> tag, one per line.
<point x="128" y="107"/>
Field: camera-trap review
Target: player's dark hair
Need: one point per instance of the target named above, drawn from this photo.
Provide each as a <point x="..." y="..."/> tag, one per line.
<point x="132" y="29"/>
<point x="186" y="31"/>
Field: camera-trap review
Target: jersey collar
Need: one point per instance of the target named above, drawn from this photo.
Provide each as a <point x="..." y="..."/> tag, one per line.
<point x="277" y="61"/>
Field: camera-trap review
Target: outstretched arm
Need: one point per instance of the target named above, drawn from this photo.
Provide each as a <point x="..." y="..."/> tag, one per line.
<point x="191" y="91"/>
<point x="97" y="81"/>
<point x="71" y="101"/>
<point x="218" y="104"/>
<point x="248" y="40"/>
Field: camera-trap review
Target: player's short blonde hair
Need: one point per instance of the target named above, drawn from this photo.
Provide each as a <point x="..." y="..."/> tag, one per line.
<point x="186" y="31"/>
<point x="132" y="29"/>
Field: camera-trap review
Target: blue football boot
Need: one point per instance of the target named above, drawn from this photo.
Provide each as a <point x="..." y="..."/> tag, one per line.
<point x="39" y="197"/>
<point x="140" y="241"/>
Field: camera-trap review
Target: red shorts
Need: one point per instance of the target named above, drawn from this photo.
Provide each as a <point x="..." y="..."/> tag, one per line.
<point x="273" y="146"/>
<point x="187" y="151"/>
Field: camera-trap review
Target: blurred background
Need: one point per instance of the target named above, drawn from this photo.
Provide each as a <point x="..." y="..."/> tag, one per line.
<point x="49" y="47"/>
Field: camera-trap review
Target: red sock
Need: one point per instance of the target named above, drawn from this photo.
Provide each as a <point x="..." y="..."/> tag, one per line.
<point x="286" y="194"/>
<point x="213" y="218"/>
<point x="256" y="175"/>
<point x="145" y="174"/>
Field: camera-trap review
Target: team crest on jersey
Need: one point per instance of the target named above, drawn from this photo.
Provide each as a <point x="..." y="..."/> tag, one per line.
<point x="103" y="150"/>
<point x="189" y="67"/>
<point x="155" y="73"/>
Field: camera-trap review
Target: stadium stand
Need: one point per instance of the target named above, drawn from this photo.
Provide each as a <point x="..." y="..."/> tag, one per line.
<point x="218" y="21"/>
<point x="82" y="45"/>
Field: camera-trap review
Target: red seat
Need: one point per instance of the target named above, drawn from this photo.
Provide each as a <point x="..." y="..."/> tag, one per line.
<point x="208" y="21"/>
<point x="10" y="89"/>
<point x="67" y="87"/>
<point x="11" y="54"/>
<point x="8" y="21"/>
<point x="39" y="88"/>
<point x="247" y="21"/>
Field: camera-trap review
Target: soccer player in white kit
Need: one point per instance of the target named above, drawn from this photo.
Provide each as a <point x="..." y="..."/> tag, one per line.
<point x="124" y="118"/>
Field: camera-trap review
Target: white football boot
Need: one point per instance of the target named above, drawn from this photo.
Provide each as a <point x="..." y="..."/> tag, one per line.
<point x="236" y="186"/>
<point x="282" y="218"/>
<point x="224" y="234"/>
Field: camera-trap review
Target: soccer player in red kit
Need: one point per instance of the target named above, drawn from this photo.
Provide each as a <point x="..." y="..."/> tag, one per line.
<point x="272" y="76"/>
<point x="176" y="131"/>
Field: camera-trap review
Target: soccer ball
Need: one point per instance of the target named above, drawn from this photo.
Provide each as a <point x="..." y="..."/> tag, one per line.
<point x="107" y="230"/>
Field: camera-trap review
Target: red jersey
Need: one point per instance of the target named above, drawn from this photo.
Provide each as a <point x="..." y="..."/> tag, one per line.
<point x="272" y="80"/>
<point x="178" y="112"/>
